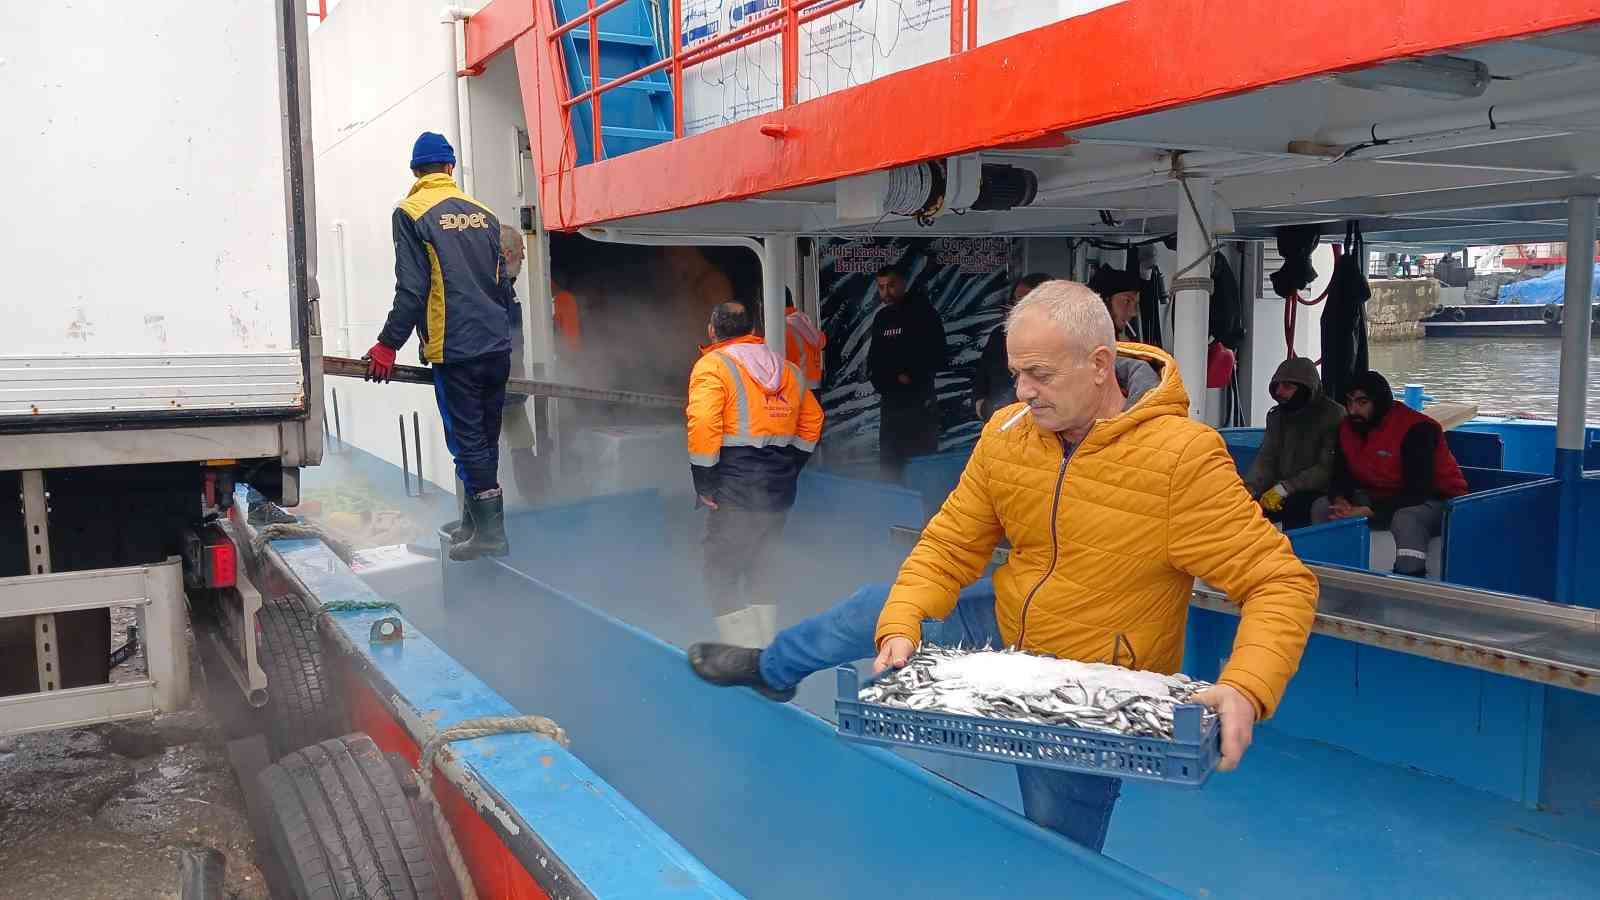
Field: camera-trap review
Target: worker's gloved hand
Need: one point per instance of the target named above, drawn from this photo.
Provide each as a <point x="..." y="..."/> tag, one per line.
<point x="894" y="652"/>
<point x="1272" y="500"/>
<point x="380" y="363"/>
<point x="1238" y="715"/>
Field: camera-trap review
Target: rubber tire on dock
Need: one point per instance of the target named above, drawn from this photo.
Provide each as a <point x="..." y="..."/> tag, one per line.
<point x="302" y="706"/>
<point x="341" y="825"/>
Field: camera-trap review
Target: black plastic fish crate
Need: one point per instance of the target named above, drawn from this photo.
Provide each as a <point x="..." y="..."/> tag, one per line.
<point x="1186" y="761"/>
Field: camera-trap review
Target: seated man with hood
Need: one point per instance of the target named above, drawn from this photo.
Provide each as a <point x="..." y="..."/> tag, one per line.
<point x="1394" y="467"/>
<point x="1295" y="463"/>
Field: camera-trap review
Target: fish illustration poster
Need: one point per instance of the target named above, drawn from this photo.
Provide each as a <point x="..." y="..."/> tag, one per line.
<point x="966" y="279"/>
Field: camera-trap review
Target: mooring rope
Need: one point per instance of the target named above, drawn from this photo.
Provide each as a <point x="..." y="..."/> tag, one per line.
<point x="466" y="730"/>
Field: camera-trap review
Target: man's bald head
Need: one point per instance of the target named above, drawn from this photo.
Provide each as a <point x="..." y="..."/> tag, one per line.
<point x="514" y="249"/>
<point x="730" y="320"/>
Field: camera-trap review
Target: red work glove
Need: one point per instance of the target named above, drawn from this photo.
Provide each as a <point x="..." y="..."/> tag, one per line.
<point x="380" y="363"/>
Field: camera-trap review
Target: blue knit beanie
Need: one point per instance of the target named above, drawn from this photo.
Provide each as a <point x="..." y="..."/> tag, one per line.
<point x="431" y="148"/>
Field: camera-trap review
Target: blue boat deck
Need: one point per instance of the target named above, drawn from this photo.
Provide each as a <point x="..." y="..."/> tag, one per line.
<point x="1300" y="818"/>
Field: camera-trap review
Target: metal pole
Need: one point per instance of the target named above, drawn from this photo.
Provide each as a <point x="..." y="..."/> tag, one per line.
<point x="405" y="457"/>
<point x="775" y="262"/>
<point x="1576" y="309"/>
<point x="1192" y="290"/>
<point x="416" y="436"/>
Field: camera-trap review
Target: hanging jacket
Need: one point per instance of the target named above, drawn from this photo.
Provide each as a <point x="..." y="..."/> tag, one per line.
<point x="804" y="343"/>
<point x="752" y="425"/>
<point x="907" y="339"/>
<point x="1107" y="539"/>
<point x="451" y="283"/>
<point x="1403" y="460"/>
<point x="1298" y="447"/>
<point x="1344" y="317"/>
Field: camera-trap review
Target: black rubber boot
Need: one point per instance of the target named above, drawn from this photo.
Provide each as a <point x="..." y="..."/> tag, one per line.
<point x="461" y="529"/>
<point x="488" y="516"/>
<point x="729" y="666"/>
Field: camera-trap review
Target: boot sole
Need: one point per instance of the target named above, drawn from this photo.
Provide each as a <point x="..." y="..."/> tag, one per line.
<point x="777" y="696"/>
<point x="468" y="557"/>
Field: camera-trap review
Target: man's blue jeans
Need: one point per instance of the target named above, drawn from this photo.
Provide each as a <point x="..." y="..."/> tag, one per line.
<point x="1078" y="806"/>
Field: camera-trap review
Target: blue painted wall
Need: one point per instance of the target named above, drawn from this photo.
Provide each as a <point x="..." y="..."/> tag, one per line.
<point x="1504" y="540"/>
<point x="1476" y="728"/>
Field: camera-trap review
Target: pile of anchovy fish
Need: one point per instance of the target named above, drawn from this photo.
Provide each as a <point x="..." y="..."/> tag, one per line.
<point x="1025" y="687"/>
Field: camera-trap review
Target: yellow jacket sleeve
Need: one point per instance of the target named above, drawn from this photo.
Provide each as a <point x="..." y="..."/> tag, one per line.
<point x="1217" y="534"/>
<point x="955" y="548"/>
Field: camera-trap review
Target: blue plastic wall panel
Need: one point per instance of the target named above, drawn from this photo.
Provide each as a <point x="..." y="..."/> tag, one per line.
<point x="1474" y="727"/>
<point x="1571" y="736"/>
<point x="1504" y="540"/>
<point x="1530" y="445"/>
<point x="635" y="115"/>
<point x="1342" y="542"/>
<point x="1586" y="575"/>
<point x="608" y="844"/>
<point x="1480" y="449"/>
<point x="765" y="794"/>
<point x="1243" y="444"/>
<point x="934" y="477"/>
<point x="1480" y="480"/>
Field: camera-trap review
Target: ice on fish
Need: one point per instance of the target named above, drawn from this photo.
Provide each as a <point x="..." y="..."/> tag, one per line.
<point x="1007" y="684"/>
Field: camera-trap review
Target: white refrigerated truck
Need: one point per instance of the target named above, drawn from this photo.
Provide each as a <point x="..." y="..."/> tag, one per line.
<point x="161" y="340"/>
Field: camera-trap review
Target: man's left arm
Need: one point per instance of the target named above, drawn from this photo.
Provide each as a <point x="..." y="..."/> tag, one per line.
<point x="1217" y="534"/>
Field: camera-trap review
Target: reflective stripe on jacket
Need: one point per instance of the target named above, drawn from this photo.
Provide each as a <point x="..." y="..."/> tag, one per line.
<point x="751" y="423"/>
<point x="1107" y="539"/>
<point x="451" y="283"/>
<point x="804" y="343"/>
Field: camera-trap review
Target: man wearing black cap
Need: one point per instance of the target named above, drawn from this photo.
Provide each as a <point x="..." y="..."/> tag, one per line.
<point x="1121" y="291"/>
<point x="453" y="287"/>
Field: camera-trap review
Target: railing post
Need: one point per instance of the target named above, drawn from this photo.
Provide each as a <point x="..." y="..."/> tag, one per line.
<point x="594" y="82"/>
<point x="972" y="24"/>
<point x="677" y="69"/>
<point x="790" y="49"/>
<point x="958" y="26"/>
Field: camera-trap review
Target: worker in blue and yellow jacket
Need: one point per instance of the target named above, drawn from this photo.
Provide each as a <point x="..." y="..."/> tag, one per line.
<point x="452" y="286"/>
<point x="752" y="426"/>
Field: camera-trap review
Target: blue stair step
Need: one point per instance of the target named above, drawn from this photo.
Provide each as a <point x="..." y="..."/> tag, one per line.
<point x="637" y="134"/>
<point x="647" y="83"/>
<point x="581" y="35"/>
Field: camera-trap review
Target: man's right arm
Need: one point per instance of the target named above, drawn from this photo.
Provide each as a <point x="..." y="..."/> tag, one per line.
<point x="1263" y="472"/>
<point x="955" y="548"/>
<point x="411" y="282"/>
<point x="703" y="421"/>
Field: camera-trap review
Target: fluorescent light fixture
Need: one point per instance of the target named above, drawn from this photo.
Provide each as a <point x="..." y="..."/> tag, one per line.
<point x="1449" y="77"/>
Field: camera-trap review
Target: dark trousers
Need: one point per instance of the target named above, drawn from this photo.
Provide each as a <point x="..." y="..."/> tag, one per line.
<point x="1296" y="510"/>
<point x="907" y="426"/>
<point x="739" y="545"/>
<point x="472" y="398"/>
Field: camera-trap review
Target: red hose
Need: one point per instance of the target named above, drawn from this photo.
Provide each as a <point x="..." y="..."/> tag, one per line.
<point x="1291" y="306"/>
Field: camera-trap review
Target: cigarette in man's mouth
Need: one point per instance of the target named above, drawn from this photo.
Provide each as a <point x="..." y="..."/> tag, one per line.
<point x="1016" y="418"/>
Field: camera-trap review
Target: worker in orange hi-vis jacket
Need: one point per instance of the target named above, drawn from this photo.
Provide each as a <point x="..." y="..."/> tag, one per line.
<point x="752" y="426"/>
<point x="804" y="343"/>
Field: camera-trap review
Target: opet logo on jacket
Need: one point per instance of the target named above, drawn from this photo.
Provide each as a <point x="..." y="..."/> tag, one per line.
<point x="463" y="221"/>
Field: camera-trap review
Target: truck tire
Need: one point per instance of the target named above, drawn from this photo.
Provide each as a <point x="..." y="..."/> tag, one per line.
<point x="302" y="706"/>
<point x="341" y="826"/>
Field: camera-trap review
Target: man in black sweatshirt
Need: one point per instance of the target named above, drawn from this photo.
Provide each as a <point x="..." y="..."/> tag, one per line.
<point x="907" y="351"/>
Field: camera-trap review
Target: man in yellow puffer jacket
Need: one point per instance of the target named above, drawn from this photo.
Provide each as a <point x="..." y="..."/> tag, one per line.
<point x="1114" y="502"/>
